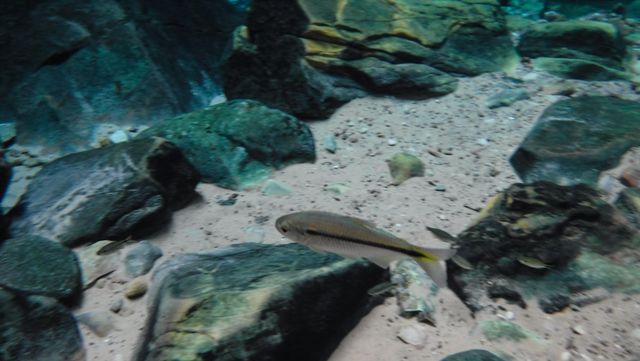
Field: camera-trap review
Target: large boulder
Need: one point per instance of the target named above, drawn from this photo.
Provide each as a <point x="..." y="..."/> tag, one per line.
<point x="580" y="49"/>
<point x="236" y="144"/>
<point x="108" y="193"/>
<point x="35" y="265"/>
<point x="546" y="242"/>
<point x="69" y="67"/>
<point x="255" y="302"/>
<point x="308" y="57"/>
<point x="575" y="139"/>
<point x="37" y="328"/>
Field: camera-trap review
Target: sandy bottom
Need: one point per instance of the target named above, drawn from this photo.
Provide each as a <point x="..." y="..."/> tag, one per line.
<point x="465" y="147"/>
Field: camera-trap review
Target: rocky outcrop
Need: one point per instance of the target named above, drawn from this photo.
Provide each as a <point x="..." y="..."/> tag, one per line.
<point x="575" y="139"/>
<point x="545" y="242"/>
<point x="107" y="193"/>
<point x="578" y="49"/>
<point x="255" y="302"/>
<point x="238" y="143"/>
<point x="308" y="57"/>
<point x="70" y="66"/>
<point x="37" y="328"/>
<point x="38" y="266"/>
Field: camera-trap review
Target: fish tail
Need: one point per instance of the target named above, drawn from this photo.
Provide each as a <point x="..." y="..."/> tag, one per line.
<point x="432" y="261"/>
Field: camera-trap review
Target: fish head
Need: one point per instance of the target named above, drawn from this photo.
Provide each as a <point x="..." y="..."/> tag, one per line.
<point x="291" y="227"/>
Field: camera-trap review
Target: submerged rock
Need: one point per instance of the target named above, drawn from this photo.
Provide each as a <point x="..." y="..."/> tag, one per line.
<point x="37" y="328"/>
<point x="473" y="355"/>
<point x="255" y="302"/>
<point x="140" y="259"/>
<point x="38" y="266"/>
<point x="506" y="98"/>
<point x="107" y="193"/>
<point x="575" y="139"/>
<point x="415" y="291"/>
<point x="584" y="243"/>
<point x="404" y="166"/>
<point x="628" y="202"/>
<point x="237" y="144"/>
<point x="308" y="57"/>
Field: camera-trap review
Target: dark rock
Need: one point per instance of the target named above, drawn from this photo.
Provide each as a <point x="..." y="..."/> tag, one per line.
<point x="506" y="98"/>
<point x="575" y="139"/>
<point x="308" y="57"/>
<point x="628" y="202"/>
<point x="141" y="258"/>
<point x="37" y="328"/>
<point x="238" y="143"/>
<point x="35" y="265"/>
<point x="595" y="41"/>
<point x="579" y="69"/>
<point x="107" y="193"/>
<point x="68" y="67"/>
<point x="554" y="303"/>
<point x="580" y="239"/>
<point x="473" y="355"/>
<point x="263" y="302"/>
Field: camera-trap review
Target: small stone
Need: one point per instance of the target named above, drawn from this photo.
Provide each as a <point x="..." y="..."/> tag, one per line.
<point x="404" y="166"/>
<point x="273" y="188"/>
<point x="630" y="177"/>
<point x="116" y="306"/>
<point x="100" y="322"/>
<point x="136" y="288"/>
<point x="506" y="98"/>
<point x="337" y="188"/>
<point x="330" y="144"/>
<point x="392" y="142"/>
<point x="415" y="335"/>
<point x="119" y="136"/>
<point x="483" y="141"/>
<point x="440" y="187"/>
<point x="507" y="316"/>
<point x="141" y="258"/>
<point x="578" y="330"/>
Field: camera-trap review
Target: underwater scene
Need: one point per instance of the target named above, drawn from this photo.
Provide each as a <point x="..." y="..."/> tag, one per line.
<point x="320" y="180"/>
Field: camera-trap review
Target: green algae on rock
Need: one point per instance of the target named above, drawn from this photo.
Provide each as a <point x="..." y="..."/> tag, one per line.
<point x="404" y="166"/>
<point x="255" y="302"/>
<point x="575" y="139"/>
<point x="237" y="144"/>
<point x="495" y="330"/>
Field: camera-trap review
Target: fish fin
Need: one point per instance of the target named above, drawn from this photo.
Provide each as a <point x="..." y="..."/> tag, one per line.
<point x="434" y="254"/>
<point x="384" y="260"/>
<point x="436" y="270"/>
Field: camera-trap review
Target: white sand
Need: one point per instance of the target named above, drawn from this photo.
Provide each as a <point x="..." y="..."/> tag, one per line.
<point x="473" y="144"/>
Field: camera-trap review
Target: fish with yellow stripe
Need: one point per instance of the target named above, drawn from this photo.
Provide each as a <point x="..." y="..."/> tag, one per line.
<point x="354" y="237"/>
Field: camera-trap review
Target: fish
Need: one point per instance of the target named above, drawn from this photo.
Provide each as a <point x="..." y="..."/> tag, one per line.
<point x="449" y="238"/>
<point x="354" y="237"/>
<point x="532" y="262"/>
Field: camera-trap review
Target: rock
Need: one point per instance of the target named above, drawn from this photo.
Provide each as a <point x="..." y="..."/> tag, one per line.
<point x="95" y="266"/>
<point x="69" y="68"/>
<point x="495" y="330"/>
<point x="415" y="335"/>
<point x="114" y="192"/>
<point x="630" y="177"/>
<point x="337" y="51"/>
<point x="337" y="188"/>
<point x="560" y="88"/>
<point x="579" y="69"/>
<point x="136" y="288"/>
<point x="330" y="144"/>
<point x="285" y="302"/>
<point x="575" y="139"/>
<point x="238" y="143"/>
<point x="404" y="166"/>
<point x="273" y="188"/>
<point x="119" y="136"/>
<point x="583" y="46"/>
<point x="473" y="355"/>
<point x="7" y="134"/>
<point x="628" y="201"/>
<point x="116" y="306"/>
<point x="581" y="239"/>
<point x="506" y="97"/>
<point x="38" y="266"/>
<point x="37" y="328"/>
<point x="100" y="322"/>
<point x="140" y="259"/>
<point x="578" y="330"/>
<point x="415" y="291"/>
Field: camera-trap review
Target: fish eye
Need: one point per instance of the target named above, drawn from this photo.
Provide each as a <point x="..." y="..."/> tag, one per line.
<point x="284" y="229"/>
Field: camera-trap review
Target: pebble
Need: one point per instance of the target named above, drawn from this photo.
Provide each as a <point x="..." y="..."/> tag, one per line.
<point x="508" y="316"/>
<point x="141" y="258"/>
<point x="440" y="187"/>
<point x="116" y="306"/>
<point x="415" y="335"/>
<point x="273" y="188"/>
<point x="578" y="330"/>
<point x="99" y="322"/>
<point x="119" y="136"/>
<point x="136" y="288"/>
<point x="392" y="142"/>
<point x="329" y="143"/>
<point x="337" y="188"/>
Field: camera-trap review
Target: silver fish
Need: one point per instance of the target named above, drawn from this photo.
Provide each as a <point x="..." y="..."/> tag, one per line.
<point x="354" y="237"/>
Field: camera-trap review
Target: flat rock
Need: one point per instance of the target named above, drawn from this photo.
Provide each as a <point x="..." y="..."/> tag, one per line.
<point x="106" y="193"/>
<point x="473" y="355"/>
<point x="140" y="259"/>
<point x="506" y="97"/>
<point x="36" y="265"/>
<point x="285" y="302"/>
<point x="237" y="144"/>
<point x="37" y="328"/>
<point x="575" y="139"/>
<point x="572" y="242"/>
